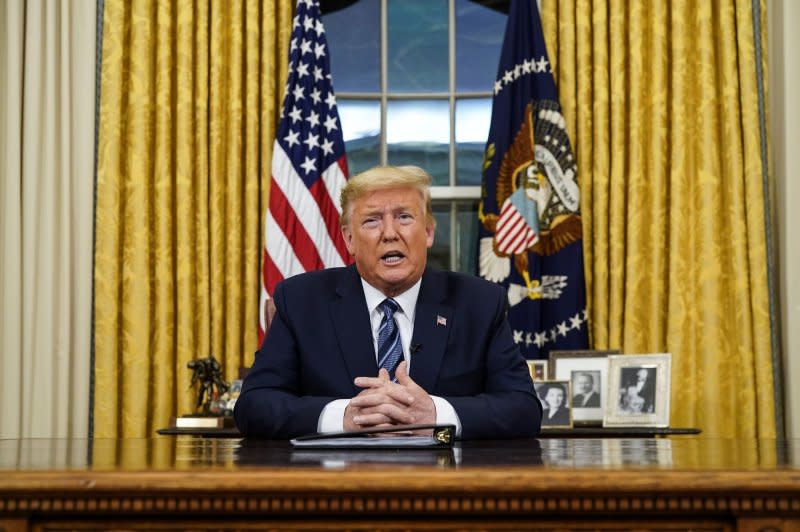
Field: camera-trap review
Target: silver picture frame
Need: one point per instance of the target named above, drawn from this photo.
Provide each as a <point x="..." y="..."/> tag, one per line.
<point x="587" y="372"/>
<point x="638" y="390"/>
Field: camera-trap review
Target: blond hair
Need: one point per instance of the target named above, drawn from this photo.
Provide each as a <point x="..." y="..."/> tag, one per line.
<point x="384" y="177"/>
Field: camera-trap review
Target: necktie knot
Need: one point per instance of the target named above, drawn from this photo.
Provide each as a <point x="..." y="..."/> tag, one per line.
<point x="389" y="306"/>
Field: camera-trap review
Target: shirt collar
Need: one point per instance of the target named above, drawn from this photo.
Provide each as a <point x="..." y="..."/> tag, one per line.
<point x="407" y="300"/>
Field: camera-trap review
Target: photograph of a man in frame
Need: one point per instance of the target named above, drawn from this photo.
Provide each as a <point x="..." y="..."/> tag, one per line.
<point x="637" y="394"/>
<point x="587" y="390"/>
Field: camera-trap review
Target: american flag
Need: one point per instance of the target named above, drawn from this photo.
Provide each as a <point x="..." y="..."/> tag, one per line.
<point x="309" y="168"/>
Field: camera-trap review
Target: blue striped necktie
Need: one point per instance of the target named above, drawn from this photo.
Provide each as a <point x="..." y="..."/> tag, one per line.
<point x="390" y="350"/>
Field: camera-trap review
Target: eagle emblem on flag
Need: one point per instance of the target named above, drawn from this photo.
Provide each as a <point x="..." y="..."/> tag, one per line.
<point x="539" y="198"/>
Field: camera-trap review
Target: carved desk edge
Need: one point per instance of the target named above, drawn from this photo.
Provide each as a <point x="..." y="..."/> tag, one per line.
<point x="216" y="492"/>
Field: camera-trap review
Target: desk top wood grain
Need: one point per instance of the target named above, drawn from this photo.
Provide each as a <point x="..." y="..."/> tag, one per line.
<point x="187" y="452"/>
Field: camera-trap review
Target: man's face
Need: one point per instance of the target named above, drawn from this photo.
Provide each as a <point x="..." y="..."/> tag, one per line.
<point x="389" y="238"/>
<point x="584" y="384"/>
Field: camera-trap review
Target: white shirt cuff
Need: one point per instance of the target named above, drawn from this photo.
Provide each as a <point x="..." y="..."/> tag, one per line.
<point x="331" y="419"/>
<point x="446" y="414"/>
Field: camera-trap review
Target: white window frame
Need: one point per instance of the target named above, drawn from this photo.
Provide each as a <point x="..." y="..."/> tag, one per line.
<point x="452" y="194"/>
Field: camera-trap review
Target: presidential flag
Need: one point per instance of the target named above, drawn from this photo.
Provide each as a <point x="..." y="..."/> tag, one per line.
<point x="530" y="231"/>
<point x="309" y="168"/>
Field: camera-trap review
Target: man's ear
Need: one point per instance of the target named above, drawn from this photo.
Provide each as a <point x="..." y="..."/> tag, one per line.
<point x="347" y="235"/>
<point x="430" y="230"/>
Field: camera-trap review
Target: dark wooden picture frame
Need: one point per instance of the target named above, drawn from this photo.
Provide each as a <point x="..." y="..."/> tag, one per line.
<point x="562" y="418"/>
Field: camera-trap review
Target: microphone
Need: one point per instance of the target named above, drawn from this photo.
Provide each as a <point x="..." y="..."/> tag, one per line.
<point x="414" y="348"/>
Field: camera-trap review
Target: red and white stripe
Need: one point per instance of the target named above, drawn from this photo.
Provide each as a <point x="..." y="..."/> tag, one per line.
<point x="302" y="230"/>
<point x="513" y="234"/>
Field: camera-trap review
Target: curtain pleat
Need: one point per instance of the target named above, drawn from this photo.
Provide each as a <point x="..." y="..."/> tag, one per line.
<point x="191" y="95"/>
<point x="47" y="53"/>
<point x="662" y="104"/>
<point x="12" y="23"/>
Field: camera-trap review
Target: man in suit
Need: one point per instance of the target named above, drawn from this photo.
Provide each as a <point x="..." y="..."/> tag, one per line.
<point x="638" y="392"/>
<point x="329" y="364"/>
<point x="586" y="396"/>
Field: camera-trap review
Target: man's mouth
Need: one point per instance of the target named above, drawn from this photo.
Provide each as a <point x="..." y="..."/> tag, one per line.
<point x="392" y="257"/>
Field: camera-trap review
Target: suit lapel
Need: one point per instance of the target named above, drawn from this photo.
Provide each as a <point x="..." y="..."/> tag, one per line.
<point x="353" y="330"/>
<point x="433" y="320"/>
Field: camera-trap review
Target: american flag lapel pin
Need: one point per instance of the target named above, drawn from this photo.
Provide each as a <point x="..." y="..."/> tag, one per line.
<point x="441" y="321"/>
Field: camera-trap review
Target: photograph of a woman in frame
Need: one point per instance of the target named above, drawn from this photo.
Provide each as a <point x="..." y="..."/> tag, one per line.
<point x="555" y="403"/>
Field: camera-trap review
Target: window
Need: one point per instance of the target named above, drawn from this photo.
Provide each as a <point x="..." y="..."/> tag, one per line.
<point x="413" y="81"/>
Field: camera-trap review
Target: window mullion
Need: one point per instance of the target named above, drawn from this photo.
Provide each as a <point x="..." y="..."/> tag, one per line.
<point x="451" y="59"/>
<point x="451" y="46"/>
<point x="384" y="146"/>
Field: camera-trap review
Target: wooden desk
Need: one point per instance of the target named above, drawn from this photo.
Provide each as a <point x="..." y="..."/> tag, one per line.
<point x="174" y="483"/>
<point x="576" y="432"/>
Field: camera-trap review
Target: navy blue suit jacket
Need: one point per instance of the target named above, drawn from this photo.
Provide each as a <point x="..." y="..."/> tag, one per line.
<point x="321" y="339"/>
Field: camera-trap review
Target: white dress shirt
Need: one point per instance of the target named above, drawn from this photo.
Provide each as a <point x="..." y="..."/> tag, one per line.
<point x="331" y="419"/>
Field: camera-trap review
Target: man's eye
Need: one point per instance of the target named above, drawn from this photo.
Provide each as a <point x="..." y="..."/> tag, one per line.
<point x="370" y="223"/>
<point x="405" y="217"/>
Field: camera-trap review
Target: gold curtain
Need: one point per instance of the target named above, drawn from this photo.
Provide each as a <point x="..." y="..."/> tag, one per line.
<point x="190" y="98"/>
<point x="661" y="100"/>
